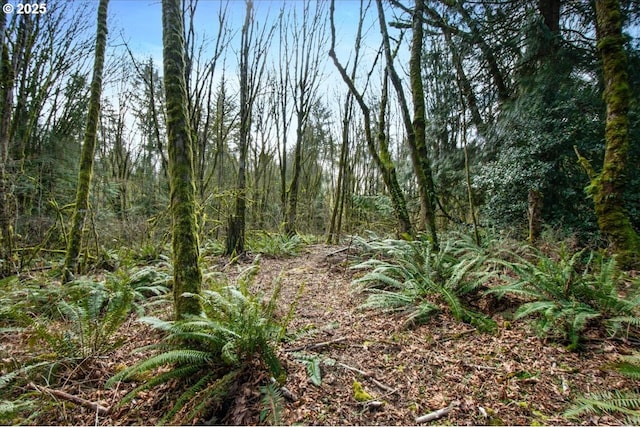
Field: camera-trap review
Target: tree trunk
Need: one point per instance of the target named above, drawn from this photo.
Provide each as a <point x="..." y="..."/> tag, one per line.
<point x="235" y="232"/>
<point x="6" y="103"/>
<point x="607" y="187"/>
<point x="419" y="122"/>
<point x="187" y="277"/>
<point x="88" y="148"/>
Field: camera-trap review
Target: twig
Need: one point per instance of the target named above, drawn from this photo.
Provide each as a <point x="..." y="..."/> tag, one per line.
<point x="101" y="410"/>
<point x="436" y="414"/>
<point x="369" y="377"/>
<point x="317" y="345"/>
<point x="346" y="248"/>
<point x="456" y="335"/>
<point x="468" y="365"/>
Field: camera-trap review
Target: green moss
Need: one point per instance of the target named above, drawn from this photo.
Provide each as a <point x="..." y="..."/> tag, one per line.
<point x="359" y="393"/>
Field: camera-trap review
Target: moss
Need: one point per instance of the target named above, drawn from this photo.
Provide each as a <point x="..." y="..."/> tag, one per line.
<point x="88" y="149"/>
<point x="608" y="186"/>
<point x="187" y="276"/>
<point x="359" y="393"/>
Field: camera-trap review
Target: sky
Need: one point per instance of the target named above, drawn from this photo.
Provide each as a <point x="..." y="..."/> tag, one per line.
<point x="139" y="22"/>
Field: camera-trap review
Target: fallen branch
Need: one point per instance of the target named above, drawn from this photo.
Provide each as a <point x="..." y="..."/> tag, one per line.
<point x="286" y="393"/>
<point x="437" y="414"/>
<point x="369" y="377"/>
<point x="100" y="410"/>
<point x="317" y="345"/>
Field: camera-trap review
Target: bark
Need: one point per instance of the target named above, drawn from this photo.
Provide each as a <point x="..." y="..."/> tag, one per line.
<point x="419" y="122"/>
<point x="6" y="103"/>
<point x="607" y="187"/>
<point x="415" y="128"/>
<point x="88" y="149"/>
<point x="187" y="277"/>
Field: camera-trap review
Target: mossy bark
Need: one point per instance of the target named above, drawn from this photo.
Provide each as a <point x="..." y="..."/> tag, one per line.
<point x="6" y="104"/>
<point x="607" y="187"/>
<point x="88" y="149"/>
<point x="425" y="177"/>
<point x="418" y="150"/>
<point x="187" y="277"/>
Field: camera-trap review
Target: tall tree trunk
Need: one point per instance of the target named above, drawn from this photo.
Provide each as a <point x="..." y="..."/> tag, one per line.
<point x="415" y="129"/>
<point x="6" y="103"/>
<point x="88" y="148"/>
<point x="419" y="121"/>
<point x="607" y="187"/>
<point x="236" y="227"/>
<point x="187" y="277"/>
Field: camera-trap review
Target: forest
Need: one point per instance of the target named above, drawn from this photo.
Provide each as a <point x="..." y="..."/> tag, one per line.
<point x="333" y="212"/>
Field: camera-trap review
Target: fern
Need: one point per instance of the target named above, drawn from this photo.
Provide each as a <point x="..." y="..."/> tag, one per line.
<point x="236" y="327"/>
<point x="411" y="273"/>
<point x="568" y="294"/>
<point x="627" y="403"/>
<point x="312" y="364"/>
<point x="272" y="405"/>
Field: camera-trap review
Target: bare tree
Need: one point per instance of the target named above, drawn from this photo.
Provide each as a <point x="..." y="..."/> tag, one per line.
<point x="382" y="158"/>
<point x="254" y="44"/>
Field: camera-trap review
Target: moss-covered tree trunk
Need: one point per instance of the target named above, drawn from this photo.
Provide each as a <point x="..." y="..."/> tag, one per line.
<point x="187" y="277"/>
<point x="88" y="148"/>
<point x="607" y="186"/>
<point x="6" y="103"/>
<point x="419" y="124"/>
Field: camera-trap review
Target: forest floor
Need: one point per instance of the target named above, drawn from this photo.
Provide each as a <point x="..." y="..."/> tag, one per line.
<point x="508" y="378"/>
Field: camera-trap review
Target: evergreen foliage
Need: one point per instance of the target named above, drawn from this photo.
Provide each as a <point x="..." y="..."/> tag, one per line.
<point x="568" y="293"/>
<point x="410" y="272"/>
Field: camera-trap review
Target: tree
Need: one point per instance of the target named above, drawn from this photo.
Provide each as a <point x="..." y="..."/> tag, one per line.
<point x="187" y="277"/>
<point x="308" y="43"/>
<point x="251" y="72"/>
<point x="6" y="104"/>
<point x="382" y="158"/>
<point x="607" y="187"/>
<point x="88" y="149"/>
<point x="416" y="127"/>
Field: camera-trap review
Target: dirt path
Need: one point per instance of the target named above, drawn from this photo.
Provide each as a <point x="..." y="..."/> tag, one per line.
<point x="508" y="378"/>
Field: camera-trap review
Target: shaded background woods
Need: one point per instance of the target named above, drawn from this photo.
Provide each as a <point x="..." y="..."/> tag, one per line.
<point x="279" y="138"/>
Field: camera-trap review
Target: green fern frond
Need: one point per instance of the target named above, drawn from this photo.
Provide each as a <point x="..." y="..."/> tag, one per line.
<point x="272" y="405"/>
<point x="187" y="396"/>
<point x="611" y="402"/>
<point x="171" y="357"/>
<point x="534" y="307"/>
<point x="628" y="368"/>
<point x="11" y="376"/>
<point x="181" y="373"/>
<point x="421" y="313"/>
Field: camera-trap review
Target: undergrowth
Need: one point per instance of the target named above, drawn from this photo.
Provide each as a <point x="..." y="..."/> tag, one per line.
<point x="208" y="355"/>
<point x="409" y="276"/>
<point x="615" y="401"/>
<point x="567" y="293"/>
